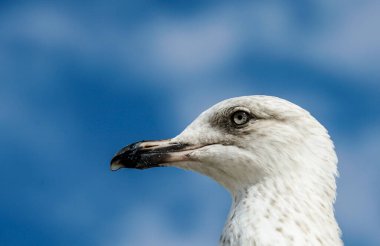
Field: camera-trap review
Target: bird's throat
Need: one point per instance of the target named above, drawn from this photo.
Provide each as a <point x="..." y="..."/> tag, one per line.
<point x="275" y="213"/>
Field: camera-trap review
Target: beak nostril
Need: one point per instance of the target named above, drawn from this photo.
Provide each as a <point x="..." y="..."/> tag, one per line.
<point x="151" y="146"/>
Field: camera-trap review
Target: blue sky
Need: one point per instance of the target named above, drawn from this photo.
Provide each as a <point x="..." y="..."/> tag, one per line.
<point x="80" y="80"/>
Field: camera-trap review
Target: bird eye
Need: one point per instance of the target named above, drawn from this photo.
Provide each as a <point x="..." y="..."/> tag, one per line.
<point x="240" y="118"/>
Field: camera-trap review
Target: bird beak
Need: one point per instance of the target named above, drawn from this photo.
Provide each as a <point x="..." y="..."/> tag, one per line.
<point x="147" y="154"/>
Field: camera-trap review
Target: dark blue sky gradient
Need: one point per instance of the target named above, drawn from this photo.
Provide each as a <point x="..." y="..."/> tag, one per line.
<point x="80" y="80"/>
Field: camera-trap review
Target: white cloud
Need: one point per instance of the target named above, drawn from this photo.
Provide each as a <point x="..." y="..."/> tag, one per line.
<point x="345" y="40"/>
<point x="40" y="25"/>
<point x="352" y="41"/>
<point x="193" y="46"/>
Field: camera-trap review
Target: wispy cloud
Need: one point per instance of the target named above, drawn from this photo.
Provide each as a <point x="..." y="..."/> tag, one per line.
<point x="341" y="37"/>
<point x="194" y="57"/>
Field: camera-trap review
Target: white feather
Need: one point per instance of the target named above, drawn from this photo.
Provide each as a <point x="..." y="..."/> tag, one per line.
<point x="280" y="172"/>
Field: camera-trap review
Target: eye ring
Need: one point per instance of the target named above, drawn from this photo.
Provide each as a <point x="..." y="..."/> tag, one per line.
<point x="240" y="118"/>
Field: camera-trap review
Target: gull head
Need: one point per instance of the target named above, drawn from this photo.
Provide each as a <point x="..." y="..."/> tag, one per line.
<point x="277" y="161"/>
<point x="241" y="141"/>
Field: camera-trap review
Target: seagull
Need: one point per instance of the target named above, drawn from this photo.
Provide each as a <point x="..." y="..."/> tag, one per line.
<point x="276" y="160"/>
